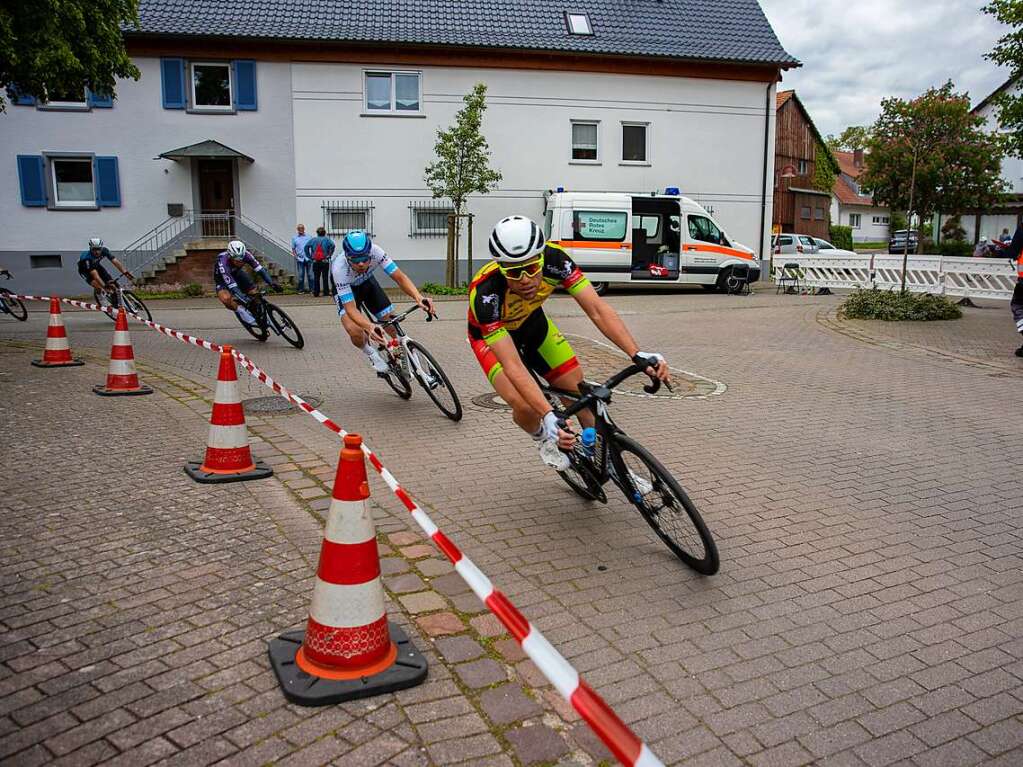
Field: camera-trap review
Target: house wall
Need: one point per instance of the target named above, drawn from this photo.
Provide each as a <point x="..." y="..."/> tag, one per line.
<point x="705" y="136"/>
<point x="868" y="231"/>
<point x="136" y="130"/>
<point x="1012" y="167"/>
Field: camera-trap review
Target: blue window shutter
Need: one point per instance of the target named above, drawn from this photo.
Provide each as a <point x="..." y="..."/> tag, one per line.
<point x="32" y="177"/>
<point x="172" y="73"/>
<point x="108" y="185"/>
<point x="99" y="101"/>
<point x="245" y="85"/>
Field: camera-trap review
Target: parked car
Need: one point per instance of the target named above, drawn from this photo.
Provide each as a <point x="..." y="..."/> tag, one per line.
<point x="897" y="243"/>
<point x="825" y="248"/>
<point x="793" y="244"/>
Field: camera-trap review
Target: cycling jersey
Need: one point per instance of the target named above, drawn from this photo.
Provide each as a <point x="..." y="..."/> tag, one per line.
<point x="88" y="262"/>
<point x="346" y="278"/>
<point x="494" y="310"/>
<point x="224" y="273"/>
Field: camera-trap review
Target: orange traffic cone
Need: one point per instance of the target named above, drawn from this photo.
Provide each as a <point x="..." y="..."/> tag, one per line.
<point x="349" y="649"/>
<point x="58" y="351"/>
<point x="122" y="380"/>
<point x="228" y="455"/>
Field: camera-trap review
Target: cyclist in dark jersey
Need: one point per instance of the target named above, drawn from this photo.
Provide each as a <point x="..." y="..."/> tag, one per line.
<point x="509" y="331"/>
<point x="233" y="284"/>
<point x="90" y="265"/>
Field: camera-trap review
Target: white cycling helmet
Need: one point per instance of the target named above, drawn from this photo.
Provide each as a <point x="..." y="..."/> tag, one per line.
<point x="95" y="242"/>
<point x="516" y="239"/>
<point x="983" y="240"/>
<point x="236" y="248"/>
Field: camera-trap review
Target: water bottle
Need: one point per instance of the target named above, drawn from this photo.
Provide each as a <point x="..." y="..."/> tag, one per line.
<point x="588" y="441"/>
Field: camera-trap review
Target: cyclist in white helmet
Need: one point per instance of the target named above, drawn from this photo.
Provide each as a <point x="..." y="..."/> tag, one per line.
<point x="233" y="284"/>
<point x="510" y="334"/>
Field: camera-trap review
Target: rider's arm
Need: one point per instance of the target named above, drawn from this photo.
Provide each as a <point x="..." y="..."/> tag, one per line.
<point x="607" y="320"/>
<point x="257" y="267"/>
<point x="120" y="267"/>
<point x="517" y="374"/>
<point x="407" y="286"/>
<point x="360" y="319"/>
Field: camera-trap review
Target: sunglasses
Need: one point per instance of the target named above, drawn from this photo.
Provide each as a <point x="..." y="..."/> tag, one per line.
<point x="358" y="259"/>
<point x="522" y="272"/>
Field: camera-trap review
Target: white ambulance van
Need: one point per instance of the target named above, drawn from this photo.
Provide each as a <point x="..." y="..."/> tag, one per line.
<point x="622" y="237"/>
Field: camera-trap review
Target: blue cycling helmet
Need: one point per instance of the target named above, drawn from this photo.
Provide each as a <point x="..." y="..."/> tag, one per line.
<point x="357" y="243"/>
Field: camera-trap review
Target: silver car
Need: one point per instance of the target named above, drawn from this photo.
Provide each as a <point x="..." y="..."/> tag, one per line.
<point x="793" y="244"/>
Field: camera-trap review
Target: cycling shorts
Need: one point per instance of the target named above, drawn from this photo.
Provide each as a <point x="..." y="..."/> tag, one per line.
<point x="85" y="268"/>
<point x="543" y="349"/>
<point x="245" y="283"/>
<point x="369" y="296"/>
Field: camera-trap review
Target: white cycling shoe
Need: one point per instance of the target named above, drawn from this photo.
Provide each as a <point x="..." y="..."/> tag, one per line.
<point x="379" y="363"/>
<point x="552" y="456"/>
<point x="641" y="485"/>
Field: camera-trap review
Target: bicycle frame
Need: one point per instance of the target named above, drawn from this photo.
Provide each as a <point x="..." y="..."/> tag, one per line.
<point x="403" y="338"/>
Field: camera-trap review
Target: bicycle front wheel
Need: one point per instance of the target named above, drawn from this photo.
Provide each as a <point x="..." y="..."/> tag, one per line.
<point x="284" y="325"/>
<point x="664" y="505"/>
<point x="259" y="332"/>
<point x="13" y="305"/>
<point x="395" y="376"/>
<point x="435" y="381"/>
<point x="134" y="304"/>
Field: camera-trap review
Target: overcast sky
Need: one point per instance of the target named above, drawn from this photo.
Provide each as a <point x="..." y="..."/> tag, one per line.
<point x="856" y="52"/>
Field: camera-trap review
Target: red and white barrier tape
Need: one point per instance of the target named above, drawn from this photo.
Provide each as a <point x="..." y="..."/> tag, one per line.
<point x="615" y="734"/>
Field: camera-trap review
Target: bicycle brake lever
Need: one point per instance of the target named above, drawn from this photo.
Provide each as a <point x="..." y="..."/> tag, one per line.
<point x="653" y="387"/>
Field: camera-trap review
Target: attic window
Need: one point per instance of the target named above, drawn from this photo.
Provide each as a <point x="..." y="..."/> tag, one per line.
<point x="578" y="24"/>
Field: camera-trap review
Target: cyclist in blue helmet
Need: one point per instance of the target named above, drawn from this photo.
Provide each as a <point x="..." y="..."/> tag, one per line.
<point x="357" y="289"/>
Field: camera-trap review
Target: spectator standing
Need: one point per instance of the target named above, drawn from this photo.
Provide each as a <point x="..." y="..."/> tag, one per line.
<point x="302" y="262"/>
<point x="980" y="249"/>
<point x="1006" y="237"/>
<point x="319" y="250"/>
<point x="1015" y="252"/>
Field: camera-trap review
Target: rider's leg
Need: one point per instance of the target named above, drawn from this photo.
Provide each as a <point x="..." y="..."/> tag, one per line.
<point x="230" y="303"/>
<point x="360" y="340"/>
<point x="570" y="382"/>
<point x="524" y="416"/>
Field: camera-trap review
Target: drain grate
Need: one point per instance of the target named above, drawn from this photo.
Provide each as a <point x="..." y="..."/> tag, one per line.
<point x="276" y="405"/>
<point x="491" y="401"/>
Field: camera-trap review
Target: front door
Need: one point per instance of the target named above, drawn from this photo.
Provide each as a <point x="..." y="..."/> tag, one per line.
<point x="216" y="197"/>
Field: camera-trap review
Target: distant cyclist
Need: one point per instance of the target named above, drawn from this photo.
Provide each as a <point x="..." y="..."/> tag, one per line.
<point x="90" y="266"/>
<point x="357" y="286"/>
<point x="234" y="286"/>
<point x="510" y="334"/>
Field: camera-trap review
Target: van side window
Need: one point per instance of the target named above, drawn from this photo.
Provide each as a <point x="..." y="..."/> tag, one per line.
<point x="651" y="223"/>
<point x="703" y="229"/>
<point x="603" y="225"/>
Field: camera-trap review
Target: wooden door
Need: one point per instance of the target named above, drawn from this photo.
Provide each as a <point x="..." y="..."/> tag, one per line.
<point x="216" y="196"/>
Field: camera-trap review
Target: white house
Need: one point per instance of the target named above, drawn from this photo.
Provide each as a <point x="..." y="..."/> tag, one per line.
<point x="328" y="115"/>
<point x="851" y="207"/>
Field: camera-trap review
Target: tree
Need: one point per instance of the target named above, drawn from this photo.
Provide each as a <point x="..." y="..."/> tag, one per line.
<point x="852" y="138"/>
<point x="462" y="166"/>
<point x="930" y="154"/>
<point x="1008" y="52"/>
<point x="60" y="46"/>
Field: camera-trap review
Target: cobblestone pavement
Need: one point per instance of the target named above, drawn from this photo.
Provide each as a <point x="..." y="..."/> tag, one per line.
<point x="868" y="609"/>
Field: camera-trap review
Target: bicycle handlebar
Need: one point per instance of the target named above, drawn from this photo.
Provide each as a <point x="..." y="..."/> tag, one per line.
<point x="401" y="317"/>
<point x="603" y="391"/>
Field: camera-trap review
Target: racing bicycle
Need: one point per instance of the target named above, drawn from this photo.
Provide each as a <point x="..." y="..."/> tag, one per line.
<point x="111" y="295"/>
<point x="270" y="317"/>
<point x="646" y="483"/>
<point x="9" y="304"/>
<point x="407" y="359"/>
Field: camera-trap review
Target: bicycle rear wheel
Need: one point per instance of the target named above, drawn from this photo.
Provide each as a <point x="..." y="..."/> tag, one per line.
<point x="435" y="381"/>
<point x="664" y="504"/>
<point x="134" y="304"/>
<point x="395" y="376"/>
<point x="284" y="325"/>
<point x="13" y="305"/>
<point x="579" y="477"/>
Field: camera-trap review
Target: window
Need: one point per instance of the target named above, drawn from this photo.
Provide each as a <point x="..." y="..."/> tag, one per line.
<point x="803" y="167"/>
<point x="429" y="218"/>
<point x="703" y="229"/>
<point x="578" y="24"/>
<point x="343" y="216"/>
<point x="73" y="98"/>
<point x="634" y="142"/>
<point x="818" y="214"/>
<point x="72" y="183"/>
<point x="881" y="220"/>
<point x="807" y="242"/>
<point x="651" y="224"/>
<point x="211" y="87"/>
<point x="824" y="244"/>
<point x="804" y="212"/>
<point x="854" y="220"/>
<point x="603" y="225"/>
<point x="585" y="147"/>
<point x="393" y="92"/>
<point x="44" y="262"/>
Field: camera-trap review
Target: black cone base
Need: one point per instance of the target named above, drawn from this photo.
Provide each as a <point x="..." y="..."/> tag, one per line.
<point x="75" y="362"/>
<point x="408" y="670"/>
<point x="103" y="391"/>
<point x="195" y="471"/>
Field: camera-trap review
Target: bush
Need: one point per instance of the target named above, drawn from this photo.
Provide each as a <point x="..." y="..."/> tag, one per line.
<point x="841" y="237"/>
<point x="955" y="249"/>
<point x="434" y="289"/>
<point x="894" y="306"/>
<point x="193" y="290"/>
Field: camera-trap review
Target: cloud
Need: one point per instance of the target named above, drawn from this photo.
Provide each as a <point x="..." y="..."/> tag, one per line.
<point x="856" y="53"/>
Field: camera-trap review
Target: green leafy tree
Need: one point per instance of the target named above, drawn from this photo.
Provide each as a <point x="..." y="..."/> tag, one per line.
<point x="462" y="166"/>
<point x="1008" y="52"/>
<point x="825" y="169"/>
<point x="852" y="138"/>
<point x="930" y="153"/>
<point x="60" y="46"/>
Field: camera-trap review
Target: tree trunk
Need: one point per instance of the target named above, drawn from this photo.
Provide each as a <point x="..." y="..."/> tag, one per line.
<point x="449" y="271"/>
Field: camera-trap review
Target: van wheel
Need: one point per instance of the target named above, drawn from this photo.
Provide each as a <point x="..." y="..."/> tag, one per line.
<point x="600" y="288"/>
<point x="722" y="284"/>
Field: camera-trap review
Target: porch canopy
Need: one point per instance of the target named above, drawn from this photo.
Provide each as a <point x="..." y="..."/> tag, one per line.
<point x="205" y="150"/>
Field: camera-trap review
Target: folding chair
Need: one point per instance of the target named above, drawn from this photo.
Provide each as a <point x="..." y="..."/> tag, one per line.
<point x="787" y="278"/>
<point x="737" y="282"/>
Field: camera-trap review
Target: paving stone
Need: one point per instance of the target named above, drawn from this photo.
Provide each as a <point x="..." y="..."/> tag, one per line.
<point x="439" y="624"/>
<point x="507" y="703"/>
<point x="481" y="673"/>
<point x="424" y="601"/>
<point x="459" y="648"/>
<point x="537" y="743"/>
<point x="405" y="583"/>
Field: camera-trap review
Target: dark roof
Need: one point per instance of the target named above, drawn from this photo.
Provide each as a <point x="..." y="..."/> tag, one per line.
<point x="207" y="148"/>
<point x="734" y="31"/>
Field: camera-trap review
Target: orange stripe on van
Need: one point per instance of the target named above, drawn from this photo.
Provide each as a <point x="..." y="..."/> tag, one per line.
<point x="593" y="244"/>
<point x="718" y="249"/>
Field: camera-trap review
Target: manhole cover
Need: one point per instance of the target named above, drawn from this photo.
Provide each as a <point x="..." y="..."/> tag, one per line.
<point x="276" y="405"/>
<point x="491" y="401"/>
